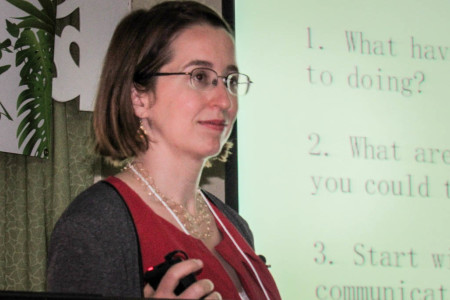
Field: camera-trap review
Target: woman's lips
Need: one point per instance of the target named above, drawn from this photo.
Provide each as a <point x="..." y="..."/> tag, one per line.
<point x="218" y="125"/>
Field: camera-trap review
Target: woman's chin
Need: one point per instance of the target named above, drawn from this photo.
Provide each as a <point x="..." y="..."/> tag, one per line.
<point x="211" y="152"/>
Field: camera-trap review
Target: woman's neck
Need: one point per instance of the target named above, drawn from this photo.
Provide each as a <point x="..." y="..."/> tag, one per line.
<point x="176" y="178"/>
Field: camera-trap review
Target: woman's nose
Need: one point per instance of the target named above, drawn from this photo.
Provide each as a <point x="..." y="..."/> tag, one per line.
<point x="222" y="96"/>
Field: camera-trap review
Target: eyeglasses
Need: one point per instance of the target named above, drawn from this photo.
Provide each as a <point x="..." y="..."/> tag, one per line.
<point x="204" y="79"/>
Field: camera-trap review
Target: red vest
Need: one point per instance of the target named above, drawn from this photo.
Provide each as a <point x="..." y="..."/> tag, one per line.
<point x="157" y="237"/>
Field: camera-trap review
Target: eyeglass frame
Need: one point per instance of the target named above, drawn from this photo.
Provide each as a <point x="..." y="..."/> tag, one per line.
<point x="225" y="79"/>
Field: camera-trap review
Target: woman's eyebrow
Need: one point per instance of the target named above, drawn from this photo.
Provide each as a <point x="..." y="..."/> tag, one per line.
<point x="199" y="63"/>
<point x="208" y="64"/>
<point x="232" y="68"/>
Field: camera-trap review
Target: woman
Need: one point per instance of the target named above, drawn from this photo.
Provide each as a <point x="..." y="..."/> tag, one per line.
<point x="167" y="101"/>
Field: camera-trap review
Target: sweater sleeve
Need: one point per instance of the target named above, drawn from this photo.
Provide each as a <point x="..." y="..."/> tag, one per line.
<point x="76" y="261"/>
<point x="93" y="249"/>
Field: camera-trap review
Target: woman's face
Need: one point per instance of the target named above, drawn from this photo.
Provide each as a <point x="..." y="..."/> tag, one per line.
<point x="186" y="121"/>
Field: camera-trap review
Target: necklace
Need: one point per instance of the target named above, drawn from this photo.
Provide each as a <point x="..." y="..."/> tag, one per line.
<point x="202" y="209"/>
<point x="198" y="226"/>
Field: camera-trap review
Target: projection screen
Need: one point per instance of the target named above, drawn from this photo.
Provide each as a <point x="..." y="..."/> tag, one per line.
<point x="344" y="145"/>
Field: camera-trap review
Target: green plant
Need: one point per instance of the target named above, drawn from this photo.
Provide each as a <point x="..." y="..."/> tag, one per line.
<point x="34" y="47"/>
<point x="4" y="46"/>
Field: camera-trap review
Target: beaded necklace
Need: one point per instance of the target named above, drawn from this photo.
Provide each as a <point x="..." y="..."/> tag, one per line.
<point x="198" y="226"/>
<point x="203" y="209"/>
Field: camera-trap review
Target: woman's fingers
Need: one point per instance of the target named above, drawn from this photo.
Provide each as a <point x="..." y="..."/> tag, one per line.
<point x="176" y="272"/>
<point x="170" y="280"/>
<point x="214" y="296"/>
<point x="148" y="291"/>
<point x="200" y="289"/>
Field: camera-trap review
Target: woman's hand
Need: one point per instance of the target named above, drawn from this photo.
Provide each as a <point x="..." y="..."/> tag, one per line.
<point x="199" y="289"/>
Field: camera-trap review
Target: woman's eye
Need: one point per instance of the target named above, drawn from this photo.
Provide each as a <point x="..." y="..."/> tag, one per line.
<point x="233" y="80"/>
<point x="201" y="77"/>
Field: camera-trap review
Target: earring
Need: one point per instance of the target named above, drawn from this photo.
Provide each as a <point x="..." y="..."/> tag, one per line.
<point x="142" y="133"/>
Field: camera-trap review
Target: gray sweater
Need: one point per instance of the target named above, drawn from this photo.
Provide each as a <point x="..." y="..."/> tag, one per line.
<point x="94" y="247"/>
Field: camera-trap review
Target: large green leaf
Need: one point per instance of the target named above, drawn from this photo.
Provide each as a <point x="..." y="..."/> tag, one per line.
<point x="34" y="54"/>
<point x="34" y="103"/>
<point x="29" y="22"/>
<point x="36" y="75"/>
<point x="49" y="8"/>
<point x="33" y="11"/>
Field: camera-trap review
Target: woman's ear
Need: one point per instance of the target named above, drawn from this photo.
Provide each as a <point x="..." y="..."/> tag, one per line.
<point x="141" y="101"/>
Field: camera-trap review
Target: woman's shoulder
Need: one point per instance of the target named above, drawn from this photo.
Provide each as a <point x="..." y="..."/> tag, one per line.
<point x="100" y="205"/>
<point x="100" y="195"/>
<point x="95" y="239"/>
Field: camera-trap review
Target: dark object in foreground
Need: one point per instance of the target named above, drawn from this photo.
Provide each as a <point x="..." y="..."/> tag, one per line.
<point x="154" y="274"/>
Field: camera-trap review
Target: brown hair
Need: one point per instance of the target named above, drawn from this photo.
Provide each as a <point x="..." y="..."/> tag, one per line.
<point x="140" y="46"/>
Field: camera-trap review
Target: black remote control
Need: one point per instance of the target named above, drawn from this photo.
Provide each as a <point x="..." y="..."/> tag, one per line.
<point x="154" y="274"/>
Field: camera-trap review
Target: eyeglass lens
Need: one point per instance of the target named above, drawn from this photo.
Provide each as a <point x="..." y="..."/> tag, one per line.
<point x="204" y="79"/>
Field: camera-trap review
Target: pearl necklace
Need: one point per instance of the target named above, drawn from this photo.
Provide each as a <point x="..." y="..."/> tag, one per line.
<point x="198" y="226"/>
